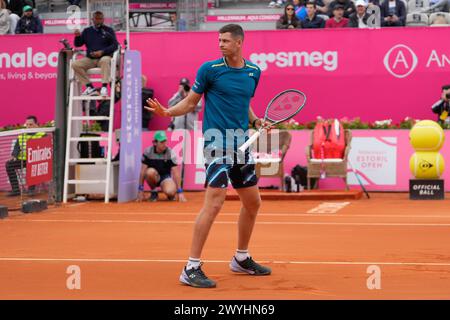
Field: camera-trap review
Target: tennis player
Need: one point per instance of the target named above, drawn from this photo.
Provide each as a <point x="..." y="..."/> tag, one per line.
<point x="228" y="84"/>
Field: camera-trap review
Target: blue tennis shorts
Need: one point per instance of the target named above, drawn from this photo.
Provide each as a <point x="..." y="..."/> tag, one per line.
<point x="239" y="169"/>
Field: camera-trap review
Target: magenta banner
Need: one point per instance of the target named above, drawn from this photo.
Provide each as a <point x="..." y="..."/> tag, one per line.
<point x="380" y="74"/>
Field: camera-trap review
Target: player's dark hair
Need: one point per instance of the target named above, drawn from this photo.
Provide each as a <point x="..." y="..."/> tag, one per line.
<point x="32" y="118"/>
<point x="235" y="30"/>
<point x="446" y="87"/>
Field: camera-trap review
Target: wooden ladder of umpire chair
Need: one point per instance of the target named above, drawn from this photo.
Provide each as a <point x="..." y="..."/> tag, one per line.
<point x="76" y="96"/>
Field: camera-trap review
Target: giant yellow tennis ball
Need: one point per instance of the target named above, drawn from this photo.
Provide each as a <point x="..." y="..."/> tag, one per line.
<point x="427" y="135"/>
<point x="427" y="165"/>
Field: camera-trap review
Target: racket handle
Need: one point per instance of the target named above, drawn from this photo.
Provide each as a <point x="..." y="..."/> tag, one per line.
<point x="250" y="141"/>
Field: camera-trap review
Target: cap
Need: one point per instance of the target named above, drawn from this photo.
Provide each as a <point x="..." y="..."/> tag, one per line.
<point x="338" y="6"/>
<point x="184" y="81"/>
<point x="160" y="136"/>
<point x="27" y="8"/>
<point x="360" y="3"/>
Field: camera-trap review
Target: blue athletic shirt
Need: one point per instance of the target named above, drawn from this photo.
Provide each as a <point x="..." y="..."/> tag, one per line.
<point x="227" y="93"/>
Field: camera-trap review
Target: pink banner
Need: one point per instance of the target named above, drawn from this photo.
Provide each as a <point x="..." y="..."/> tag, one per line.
<point x="243" y="18"/>
<point x="373" y="74"/>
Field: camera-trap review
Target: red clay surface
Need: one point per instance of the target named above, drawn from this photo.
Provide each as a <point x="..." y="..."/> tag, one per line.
<point x="137" y="250"/>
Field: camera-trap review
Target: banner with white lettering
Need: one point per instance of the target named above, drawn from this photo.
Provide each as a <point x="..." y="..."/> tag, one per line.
<point x="130" y="134"/>
<point x="39" y="161"/>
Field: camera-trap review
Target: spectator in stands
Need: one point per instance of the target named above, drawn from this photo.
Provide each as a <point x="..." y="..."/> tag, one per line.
<point x="159" y="168"/>
<point x="101" y="42"/>
<point x="312" y="21"/>
<point x="186" y="121"/>
<point x="442" y="107"/>
<point x="289" y="20"/>
<point x="349" y="7"/>
<point x="75" y="3"/>
<point x="18" y="159"/>
<point x="300" y="9"/>
<point x="338" y="20"/>
<point x="438" y="6"/>
<point x="393" y="13"/>
<point x="16" y="6"/>
<point x="29" y="23"/>
<point x="359" y="18"/>
<point x="179" y="24"/>
<point x="322" y="7"/>
<point x="278" y="3"/>
<point x="5" y="20"/>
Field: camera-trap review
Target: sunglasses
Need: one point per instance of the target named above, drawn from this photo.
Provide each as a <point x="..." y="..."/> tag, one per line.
<point x="290" y="9"/>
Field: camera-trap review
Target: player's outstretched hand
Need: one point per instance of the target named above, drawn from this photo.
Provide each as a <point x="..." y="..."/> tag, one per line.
<point x="156" y="107"/>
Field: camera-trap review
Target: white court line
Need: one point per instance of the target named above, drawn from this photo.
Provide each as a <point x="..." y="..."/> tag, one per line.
<point x="259" y="214"/>
<point x="169" y="222"/>
<point x="436" y="264"/>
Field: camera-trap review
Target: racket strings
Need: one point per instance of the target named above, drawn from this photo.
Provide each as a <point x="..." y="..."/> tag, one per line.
<point x="284" y="106"/>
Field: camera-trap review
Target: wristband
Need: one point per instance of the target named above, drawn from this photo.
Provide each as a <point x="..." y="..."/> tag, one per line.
<point x="141" y="187"/>
<point x="180" y="190"/>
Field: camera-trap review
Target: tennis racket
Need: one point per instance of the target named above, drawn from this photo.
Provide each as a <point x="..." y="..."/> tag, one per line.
<point x="282" y="107"/>
<point x="357" y="178"/>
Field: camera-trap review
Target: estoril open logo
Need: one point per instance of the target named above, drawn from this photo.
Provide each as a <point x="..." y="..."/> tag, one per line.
<point x="400" y="61"/>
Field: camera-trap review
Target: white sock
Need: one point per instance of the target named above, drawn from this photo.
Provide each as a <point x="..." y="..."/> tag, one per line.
<point x="192" y="263"/>
<point x="241" y="255"/>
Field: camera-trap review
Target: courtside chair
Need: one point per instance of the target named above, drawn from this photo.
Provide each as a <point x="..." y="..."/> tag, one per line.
<point x="331" y="167"/>
<point x="270" y="162"/>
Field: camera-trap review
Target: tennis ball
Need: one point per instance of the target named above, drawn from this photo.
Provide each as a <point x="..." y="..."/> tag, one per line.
<point x="427" y="165"/>
<point x="427" y="135"/>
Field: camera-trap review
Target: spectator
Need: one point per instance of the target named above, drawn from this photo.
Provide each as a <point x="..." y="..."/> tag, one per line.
<point x="338" y="20"/>
<point x="186" y="121"/>
<point x="159" y="168"/>
<point x="359" y="18"/>
<point x="289" y="20"/>
<point x="29" y="23"/>
<point x="75" y="3"/>
<point x="179" y="24"/>
<point x="147" y="93"/>
<point x="278" y="3"/>
<point x="300" y="9"/>
<point x="312" y="21"/>
<point x="16" y="6"/>
<point x="441" y="107"/>
<point x="19" y="155"/>
<point x="393" y="13"/>
<point x="5" y="20"/>
<point x="349" y="7"/>
<point x="322" y="7"/>
<point x="438" y="6"/>
<point x="101" y="42"/>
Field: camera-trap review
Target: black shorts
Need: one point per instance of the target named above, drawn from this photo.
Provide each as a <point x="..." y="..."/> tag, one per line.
<point x="221" y="167"/>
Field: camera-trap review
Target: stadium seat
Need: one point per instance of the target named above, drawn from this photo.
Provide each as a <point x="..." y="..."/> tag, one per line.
<point x="416" y="19"/>
<point x="433" y="16"/>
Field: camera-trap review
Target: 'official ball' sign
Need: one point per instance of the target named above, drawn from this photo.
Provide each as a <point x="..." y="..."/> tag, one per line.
<point x="39" y="160"/>
<point x="430" y="189"/>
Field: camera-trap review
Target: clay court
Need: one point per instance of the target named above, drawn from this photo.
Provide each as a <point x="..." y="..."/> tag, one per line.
<point x="137" y="250"/>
